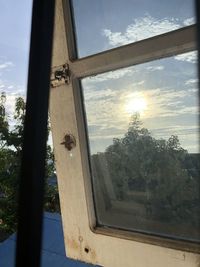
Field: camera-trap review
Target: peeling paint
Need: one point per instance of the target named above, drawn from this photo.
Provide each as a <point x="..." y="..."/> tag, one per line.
<point x="73" y="244"/>
<point x="93" y="256"/>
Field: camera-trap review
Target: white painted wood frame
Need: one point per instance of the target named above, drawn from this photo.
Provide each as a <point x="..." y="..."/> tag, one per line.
<point x="84" y="241"/>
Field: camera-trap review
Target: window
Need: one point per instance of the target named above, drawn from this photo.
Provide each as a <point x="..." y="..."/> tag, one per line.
<point x="115" y="23"/>
<point x="143" y="151"/>
<point x="113" y="223"/>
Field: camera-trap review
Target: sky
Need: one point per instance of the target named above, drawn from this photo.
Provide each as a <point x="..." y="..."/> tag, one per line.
<point x="164" y="92"/>
<point x="15" y="23"/>
<point x="99" y="21"/>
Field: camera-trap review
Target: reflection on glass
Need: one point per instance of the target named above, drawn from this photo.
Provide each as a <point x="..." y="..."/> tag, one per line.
<point x="144" y="147"/>
<point x="102" y="25"/>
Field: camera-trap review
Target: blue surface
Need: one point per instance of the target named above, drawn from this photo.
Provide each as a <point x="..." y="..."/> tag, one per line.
<point x="53" y="250"/>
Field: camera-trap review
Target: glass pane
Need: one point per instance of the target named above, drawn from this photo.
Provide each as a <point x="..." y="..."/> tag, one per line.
<point x="144" y="147"/>
<point x="102" y="25"/>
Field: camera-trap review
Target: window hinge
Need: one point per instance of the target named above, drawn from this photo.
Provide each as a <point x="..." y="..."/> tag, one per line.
<point x="60" y="75"/>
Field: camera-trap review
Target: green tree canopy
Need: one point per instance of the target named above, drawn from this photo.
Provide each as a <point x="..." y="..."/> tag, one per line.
<point x="11" y="138"/>
<point x="138" y="162"/>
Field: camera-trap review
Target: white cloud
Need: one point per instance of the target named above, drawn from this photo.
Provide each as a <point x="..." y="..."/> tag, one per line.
<point x="146" y="27"/>
<point x="12" y="92"/>
<point x="111" y="75"/>
<point x="143" y="28"/>
<point x="193" y="90"/>
<point x="2" y="85"/>
<point x="140" y="29"/>
<point x="190" y="57"/>
<point x="176" y="128"/>
<point x="153" y="68"/>
<point x="179" y="111"/>
<point x="105" y="106"/>
<point x="116" y="38"/>
<point x="10" y="104"/>
<point x="138" y="83"/>
<point x="106" y="109"/>
<point x="96" y="95"/>
<point x="188" y="134"/>
<point x="191" y="81"/>
<point x="183" y="131"/>
<point x="6" y="65"/>
<point x="164" y="102"/>
<point x="189" y="21"/>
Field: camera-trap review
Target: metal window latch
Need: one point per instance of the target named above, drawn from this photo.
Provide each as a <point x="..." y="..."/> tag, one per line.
<point x="60" y="75"/>
<point x="69" y="141"/>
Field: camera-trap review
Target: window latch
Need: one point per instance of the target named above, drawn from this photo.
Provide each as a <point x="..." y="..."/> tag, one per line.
<point x="60" y="75"/>
<point x="69" y="141"/>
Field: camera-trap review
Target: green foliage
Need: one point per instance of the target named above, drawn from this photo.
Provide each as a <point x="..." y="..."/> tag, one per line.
<point x="159" y="173"/>
<point x="11" y="139"/>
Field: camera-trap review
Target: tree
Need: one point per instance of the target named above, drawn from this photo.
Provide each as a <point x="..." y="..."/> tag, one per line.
<point x="157" y="169"/>
<point x="11" y="138"/>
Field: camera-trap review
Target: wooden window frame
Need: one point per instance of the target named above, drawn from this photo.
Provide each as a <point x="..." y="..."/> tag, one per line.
<point x="83" y="239"/>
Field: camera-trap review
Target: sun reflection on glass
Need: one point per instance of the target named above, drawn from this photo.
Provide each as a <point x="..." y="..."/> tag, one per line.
<point x="135" y="104"/>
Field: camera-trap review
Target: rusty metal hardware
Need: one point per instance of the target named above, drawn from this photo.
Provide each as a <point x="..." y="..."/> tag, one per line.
<point x="69" y="141"/>
<point x="60" y="75"/>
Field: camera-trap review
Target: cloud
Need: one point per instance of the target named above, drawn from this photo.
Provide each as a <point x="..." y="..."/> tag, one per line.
<point x="179" y="130"/>
<point x="12" y="92"/>
<point x="106" y="111"/>
<point x="138" y="83"/>
<point x="193" y="90"/>
<point x="10" y="105"/>
<point x="115" y="38"/>
<point x="111" y="75"/>
<point x="6" y="65"/>
<point x="154" y="68"/>
<point x="176" y="128"/>
<point x="188" y="135"/>
<point x="106" y="108"/>
<point x="2" y="85"/>
<point x="190" y="57"/>
<point x="105" y="102"/>
<point x="141" y="28"/>
<point x="191" y="81"/>
<point x="189" y="21"/>
<point x="180" y="111"/>
<point x="103" y="94"/>
<point x="169" y="103"/>
<point x="146" y="27"/>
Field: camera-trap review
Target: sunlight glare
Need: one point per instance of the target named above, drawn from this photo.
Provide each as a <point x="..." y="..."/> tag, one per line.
<point x="137" y="104"/>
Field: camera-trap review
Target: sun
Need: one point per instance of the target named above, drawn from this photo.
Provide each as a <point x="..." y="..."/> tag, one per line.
<point x="136" y="104"/>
